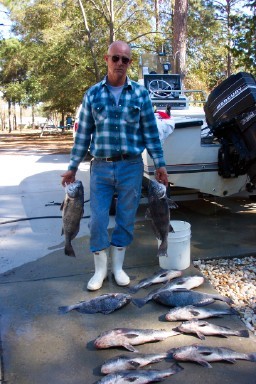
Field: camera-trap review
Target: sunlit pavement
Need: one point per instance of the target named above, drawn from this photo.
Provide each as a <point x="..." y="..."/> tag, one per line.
<point x="40" y="346"/>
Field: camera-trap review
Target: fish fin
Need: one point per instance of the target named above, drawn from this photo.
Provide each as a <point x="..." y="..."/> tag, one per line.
<point x="69" y="251"/>
<point x="156" y="231"/>
<point x="172" y="204"/>
<point x="131" y="335"/>
<point x="85" y="310"/>
<point x="194" y="312"/>
<point x="232" y="361"/>
<point x="200" y="335"/>
<point x="64" y="309"/>
<point x="107" y="312"/>
<point x="233" y="311"/>
<point x="204" y="363"/>
<point x="180" y="290"/>
<point x="148" y="214"/>
<point x="129" y="347"/>
<point x="176" y="367"/>
<point x="204" y="303"/>
<point x="223" y="298"/>
<point x="177" y="289"/>
<point x="139" y="302"/>
<point x="243" y="333"/>
<point x="252" y="356"/>
<point x="133" y="289"/>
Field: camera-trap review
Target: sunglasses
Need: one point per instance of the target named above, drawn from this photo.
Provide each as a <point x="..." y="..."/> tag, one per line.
<point x="116" y="58"/>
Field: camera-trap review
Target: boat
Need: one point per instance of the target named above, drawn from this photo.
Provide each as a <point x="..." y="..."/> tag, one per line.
<point x="209" y="149"/>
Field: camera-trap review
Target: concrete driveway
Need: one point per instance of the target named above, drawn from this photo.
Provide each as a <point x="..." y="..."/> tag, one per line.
<point x="37" y="344"/>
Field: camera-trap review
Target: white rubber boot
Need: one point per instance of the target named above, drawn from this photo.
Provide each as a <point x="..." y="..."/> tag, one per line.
<point x="101" y="270"/>
<point x="117" y="258"/>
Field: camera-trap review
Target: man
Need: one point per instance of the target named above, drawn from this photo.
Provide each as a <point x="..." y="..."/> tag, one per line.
<point x="117" y="122"/>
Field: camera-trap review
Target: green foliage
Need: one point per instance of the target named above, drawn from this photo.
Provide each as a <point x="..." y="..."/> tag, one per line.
<point x="58" y="53"/>
<point x="244" y="41"/>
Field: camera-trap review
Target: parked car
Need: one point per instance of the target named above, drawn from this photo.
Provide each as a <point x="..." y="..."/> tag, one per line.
<point x="75" y="126"/>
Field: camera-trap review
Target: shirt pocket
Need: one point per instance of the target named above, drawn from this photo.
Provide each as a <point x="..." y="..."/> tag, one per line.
<point x="133" y="114"/>
<point x="99" y="112"/>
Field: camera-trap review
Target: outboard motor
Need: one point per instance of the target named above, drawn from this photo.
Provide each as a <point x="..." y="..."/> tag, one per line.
<point x="231" y="115"/>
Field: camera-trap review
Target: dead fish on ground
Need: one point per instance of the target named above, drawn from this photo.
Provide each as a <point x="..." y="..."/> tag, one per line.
<point x="124" y="362"/>
<point x="202" y="328"/>
<point x="72" y="212"/>
<point x="188" y="282"/>
<point x="204" y="354"/>
<point x="127" y="337"/>
<point x="192" y="312"/>
<point x="183" y="297"/>
<point x="158" y="277"/>
<point x="159" y="213"/>
<point x="140" y="376"/>
<point x="105" y="304"/>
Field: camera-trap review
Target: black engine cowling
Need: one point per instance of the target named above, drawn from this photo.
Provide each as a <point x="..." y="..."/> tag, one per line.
<point x="231" y="114"/>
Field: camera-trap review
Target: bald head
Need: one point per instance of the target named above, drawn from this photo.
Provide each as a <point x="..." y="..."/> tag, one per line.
<point x="120" y="45"/>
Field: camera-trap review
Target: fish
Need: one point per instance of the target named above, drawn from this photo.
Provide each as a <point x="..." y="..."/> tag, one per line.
<point x="106" y="303"/>
<point x="72" y="211"/>
<point x="159" y="213"/>
<point x="127" y="337"/>
<point x="202" y="328"/>
<point x="140" y="376"/>
<point x="192" y="312"/>
<point x="188" y="282"/>
<point x="183" y="297"/>
<point x="158" y="277"/>
<point x="204" y="354"/>
<point x="124" y="362"/>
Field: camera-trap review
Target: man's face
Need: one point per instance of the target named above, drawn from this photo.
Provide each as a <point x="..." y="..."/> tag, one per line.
<point x="118" y="61"/>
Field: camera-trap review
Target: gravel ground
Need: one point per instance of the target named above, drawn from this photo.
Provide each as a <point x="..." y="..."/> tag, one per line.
<point x="234" y="278"/>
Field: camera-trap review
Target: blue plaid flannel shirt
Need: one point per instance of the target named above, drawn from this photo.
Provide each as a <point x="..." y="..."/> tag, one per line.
<point x="111" y="130"/>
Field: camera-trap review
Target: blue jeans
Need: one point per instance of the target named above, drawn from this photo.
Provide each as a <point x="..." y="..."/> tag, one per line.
<point x="124" y="178"/>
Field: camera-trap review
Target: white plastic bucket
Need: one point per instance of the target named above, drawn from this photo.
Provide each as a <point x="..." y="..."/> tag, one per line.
<point x="178" y="247"/>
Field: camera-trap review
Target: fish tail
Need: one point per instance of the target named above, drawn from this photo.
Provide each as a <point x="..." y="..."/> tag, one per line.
<point x="69" y="251"/>
<point x="252" y="356"/>
<point x="133" y="289"/>
<point x="223" y="298"/>
<point x="233" y="311"/>
<point x="176" y="368"/>
<point x="139" y="302"/>
<point x="64" y="309"/>
<point x="162" y="250"/>
<point x="243" y="333"/>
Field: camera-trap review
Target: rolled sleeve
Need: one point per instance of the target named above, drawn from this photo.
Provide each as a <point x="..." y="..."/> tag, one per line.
<point x="83" y="135"/>
<point x="150" y="132"/>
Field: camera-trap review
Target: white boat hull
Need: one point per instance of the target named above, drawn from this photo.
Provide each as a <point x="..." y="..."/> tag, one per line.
<point x="192" y="164"/>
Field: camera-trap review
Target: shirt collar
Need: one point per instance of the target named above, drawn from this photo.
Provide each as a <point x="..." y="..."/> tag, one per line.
<point x="128" y="83"/>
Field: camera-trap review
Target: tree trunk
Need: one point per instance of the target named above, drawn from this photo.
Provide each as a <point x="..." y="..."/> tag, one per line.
<point x="33" y="116"/>
<point x="9" y="115"/>
<point x="14" y="116"/>
<point x="111" y="23"/>
<point x="180" y="36"/>
<point x="88" y="32"/>
<point x="20" y="113"/>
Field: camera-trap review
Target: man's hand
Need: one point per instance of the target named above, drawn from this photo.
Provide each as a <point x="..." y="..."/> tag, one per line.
<point x="68" y="177"/>
<point x="161" y="176"/>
